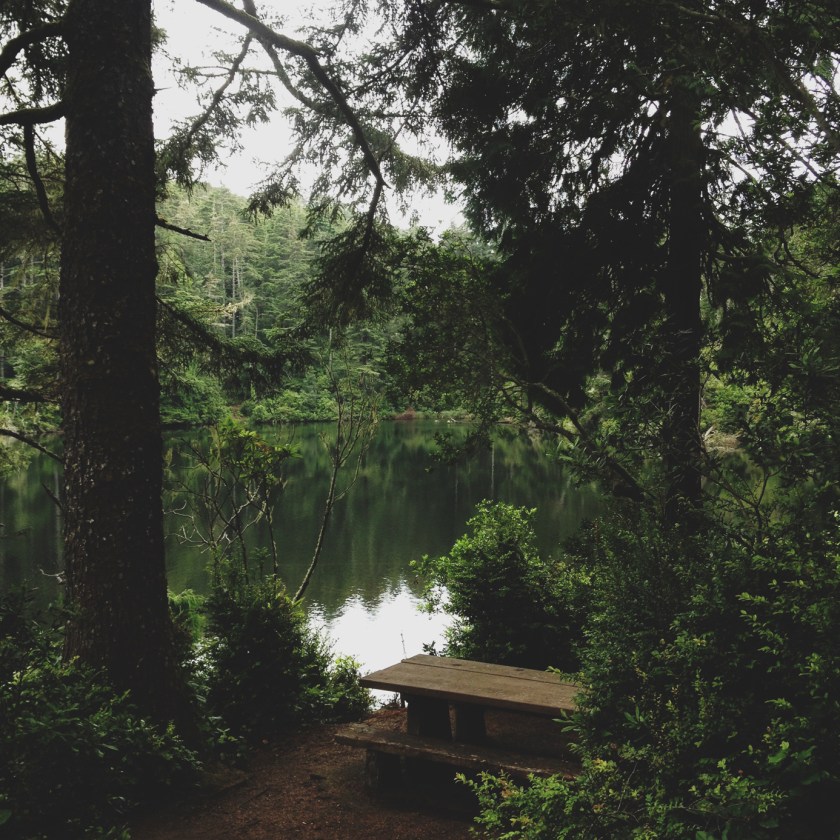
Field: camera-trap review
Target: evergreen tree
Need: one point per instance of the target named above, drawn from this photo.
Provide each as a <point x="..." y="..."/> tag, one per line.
<point x="626" y="158"/>
<point x="89" y="62"/>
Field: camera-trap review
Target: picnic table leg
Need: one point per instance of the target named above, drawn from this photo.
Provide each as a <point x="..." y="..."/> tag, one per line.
<point x="428" y="716"/>
<point x="469" y="723"/>
<point x="382" y="771"/>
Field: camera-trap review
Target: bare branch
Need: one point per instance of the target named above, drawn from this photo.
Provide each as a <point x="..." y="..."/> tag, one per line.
<point x="354" y="432"/>
<point x="30" y="442"/>
<point x="32" y="167"/>
<point x="10" y="51"/>
<point x="162" y="223"/>
<point x="57" y="502"/>
<point x="4" y="313"/>
<point x="310" y="56"/>
<point x="34" y="116"/>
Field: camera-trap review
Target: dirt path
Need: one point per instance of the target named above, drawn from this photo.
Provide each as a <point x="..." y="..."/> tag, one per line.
<point x="308" y="787"/>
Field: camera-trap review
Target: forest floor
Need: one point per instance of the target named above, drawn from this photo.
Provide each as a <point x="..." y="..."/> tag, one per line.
<point x="310" y="787"/>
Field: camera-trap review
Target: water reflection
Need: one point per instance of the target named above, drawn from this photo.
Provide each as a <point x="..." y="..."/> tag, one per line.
<point x="382" y="633"/>
<point x="403" y="505"/>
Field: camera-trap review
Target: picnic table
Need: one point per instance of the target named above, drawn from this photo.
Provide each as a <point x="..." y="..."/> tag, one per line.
<point x="447" y="701"/>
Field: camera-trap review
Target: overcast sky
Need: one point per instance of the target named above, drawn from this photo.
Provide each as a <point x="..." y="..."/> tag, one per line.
<point x="193" y="32"/>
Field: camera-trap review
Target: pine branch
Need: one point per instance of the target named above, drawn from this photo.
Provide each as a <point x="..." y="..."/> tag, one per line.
<point x="310" y="56"/>
<point x="794" y="87"/>
<point x="218" y="94"/>
<point x="229" y="351"/>
<point x="13" y="47"/>
<point x="280" y="71"/>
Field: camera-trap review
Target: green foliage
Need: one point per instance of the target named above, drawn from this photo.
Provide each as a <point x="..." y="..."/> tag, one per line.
<point x="308" y="399"/>
<point x="186" y="611"/>
<point x="235" y="309"/>
<point x="76" y="757"/>
<point x="537" y="811"/>
<point x="355" y="271"/>
<point x="266" y="670"/>
<point x="233" y="486"/>
<point x="190" y="398"/>
<point x="188" y="621"/>
<point x="446" y="352"/>
<point x="712" y="678"/>
<point x="727" y="404"/>
<point x="509" y="605"/>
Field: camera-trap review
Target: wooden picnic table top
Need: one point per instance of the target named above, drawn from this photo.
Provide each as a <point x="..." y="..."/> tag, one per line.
<point x="477" y="683"/>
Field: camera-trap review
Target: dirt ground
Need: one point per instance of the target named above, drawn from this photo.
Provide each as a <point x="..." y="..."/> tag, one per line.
<point x="310" y="787"/>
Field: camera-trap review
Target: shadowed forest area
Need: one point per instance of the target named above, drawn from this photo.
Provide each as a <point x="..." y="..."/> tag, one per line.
<point x="645" y="281"/>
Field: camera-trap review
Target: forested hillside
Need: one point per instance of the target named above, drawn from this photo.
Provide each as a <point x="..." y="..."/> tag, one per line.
<point x="244" y="284"/>
<point x="236" y="328"/>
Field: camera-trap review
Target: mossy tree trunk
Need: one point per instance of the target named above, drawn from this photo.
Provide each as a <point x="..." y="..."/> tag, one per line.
<point x="113" y="521"/>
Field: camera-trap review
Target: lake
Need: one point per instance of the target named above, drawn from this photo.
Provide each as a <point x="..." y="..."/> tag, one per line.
<point x="403" y="505"/>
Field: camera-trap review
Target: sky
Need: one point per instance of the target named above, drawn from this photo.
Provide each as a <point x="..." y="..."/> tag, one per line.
<point x="193" y="31"/>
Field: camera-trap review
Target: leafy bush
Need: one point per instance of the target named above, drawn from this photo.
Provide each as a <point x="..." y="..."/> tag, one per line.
<point x="190" y="398"/>
<point x="726" y="404"/>
<point x="265" y="668"/>
<point x="713" y="689"/>
<point x="509" y="605"/>
<point x="76" y="757"/>
<point x="290" y="406"/>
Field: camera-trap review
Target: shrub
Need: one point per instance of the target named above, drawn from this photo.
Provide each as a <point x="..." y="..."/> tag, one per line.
<point x="267" y="670"/>
<point x="291" y="406"/>
<point x="509" y="605"/>
<point x="76" y="756"/>
<point x="713" y="679"/>
<point x="190" y="397"/>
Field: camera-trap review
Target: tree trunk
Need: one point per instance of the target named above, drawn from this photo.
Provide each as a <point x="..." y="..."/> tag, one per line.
<point x="682" y="449"/>
<point x="113" y="520"/>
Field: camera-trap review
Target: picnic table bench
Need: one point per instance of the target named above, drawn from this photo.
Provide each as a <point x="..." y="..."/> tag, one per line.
<point x="447" y="701"/>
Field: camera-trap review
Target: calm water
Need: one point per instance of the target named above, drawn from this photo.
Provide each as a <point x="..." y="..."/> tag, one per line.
<point x="404" y="504"/>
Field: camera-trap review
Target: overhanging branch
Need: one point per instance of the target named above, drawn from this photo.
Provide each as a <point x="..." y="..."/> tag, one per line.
<point x="313" y="62"/>
<point x="635" y="489"/>
<point x="13" y="47"/>
<point x="34" y="116"/>
<point x="30" y="442"/>
<point x="162" y="223"/>
<point x="279" y="70"/>
<point x="218" y="94"/>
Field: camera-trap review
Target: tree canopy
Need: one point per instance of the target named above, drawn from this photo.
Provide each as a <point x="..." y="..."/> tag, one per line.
<point x="652" y="192"/>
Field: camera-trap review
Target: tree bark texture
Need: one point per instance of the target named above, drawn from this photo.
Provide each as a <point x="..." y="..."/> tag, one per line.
<point x="681" y="442"/>
<point x="113" y="520"/>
